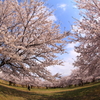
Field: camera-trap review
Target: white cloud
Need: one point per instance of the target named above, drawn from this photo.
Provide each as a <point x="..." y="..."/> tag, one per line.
<point x="62" y="6"/>
<point x="52" y="18"/>
<point x="44" y="9"/>
<point x="70" y="46"/>
<point x="75" y="7"/>
<point x="69" y="58"/>
<point x="63" y="70"/>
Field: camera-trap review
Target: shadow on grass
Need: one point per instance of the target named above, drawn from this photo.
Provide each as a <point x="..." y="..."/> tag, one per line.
<point x="18" y="93"/>
<point x="89" y="93"/>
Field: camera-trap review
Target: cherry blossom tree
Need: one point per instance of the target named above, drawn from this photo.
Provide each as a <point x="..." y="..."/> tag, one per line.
<point x="87" y="33"/>
<point x="29" y="38"/>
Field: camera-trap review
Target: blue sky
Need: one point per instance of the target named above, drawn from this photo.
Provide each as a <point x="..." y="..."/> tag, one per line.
<point x="65" y="10"/>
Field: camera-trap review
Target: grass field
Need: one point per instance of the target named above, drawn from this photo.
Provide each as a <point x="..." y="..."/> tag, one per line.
<point x="87" y="92"/>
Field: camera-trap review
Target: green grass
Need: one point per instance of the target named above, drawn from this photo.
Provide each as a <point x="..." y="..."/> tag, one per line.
<point x="87" y="92"/>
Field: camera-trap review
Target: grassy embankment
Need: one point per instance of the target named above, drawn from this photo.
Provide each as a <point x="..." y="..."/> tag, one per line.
<point x="87" y="92"/>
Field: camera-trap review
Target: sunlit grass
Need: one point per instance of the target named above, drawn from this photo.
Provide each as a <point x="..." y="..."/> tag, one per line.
<point x="87" y="92"/>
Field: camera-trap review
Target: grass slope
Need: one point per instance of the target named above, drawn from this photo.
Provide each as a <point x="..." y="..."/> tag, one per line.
<point x="88" y="92"/>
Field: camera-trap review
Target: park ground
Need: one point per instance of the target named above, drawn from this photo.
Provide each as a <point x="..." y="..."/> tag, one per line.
<point x="87" y="92"/>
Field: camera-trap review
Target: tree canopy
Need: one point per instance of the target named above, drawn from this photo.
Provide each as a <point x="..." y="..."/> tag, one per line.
<point x="87" y="33"/>
<point x="29" y="38"/>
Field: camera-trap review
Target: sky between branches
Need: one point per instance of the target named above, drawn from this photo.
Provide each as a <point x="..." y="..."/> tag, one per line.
<point x="65" y="12"/>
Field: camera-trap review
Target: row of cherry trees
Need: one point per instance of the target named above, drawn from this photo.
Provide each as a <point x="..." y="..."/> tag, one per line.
<point x="87" y="33"/>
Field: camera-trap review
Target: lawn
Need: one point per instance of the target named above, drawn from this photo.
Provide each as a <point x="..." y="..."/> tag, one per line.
<point x="87" y="92"/>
